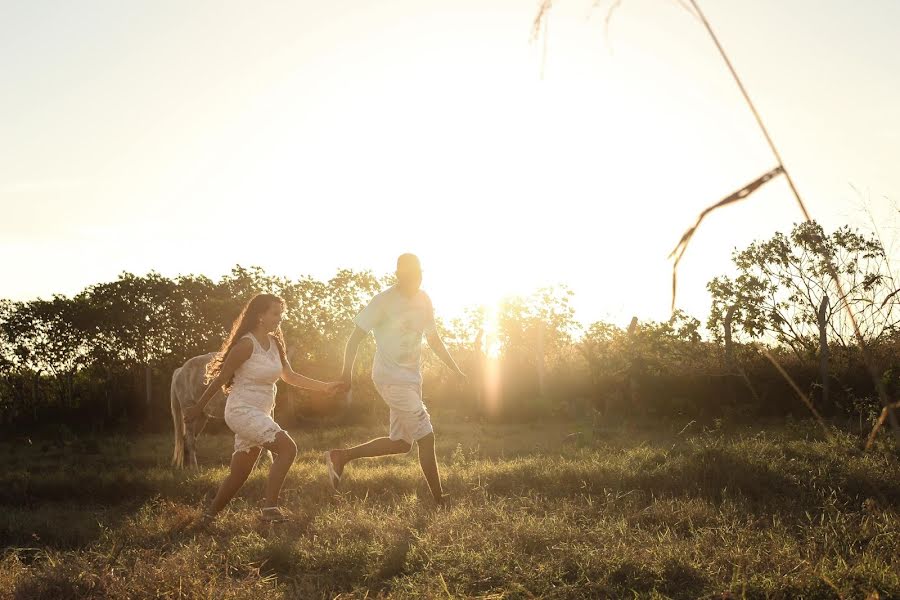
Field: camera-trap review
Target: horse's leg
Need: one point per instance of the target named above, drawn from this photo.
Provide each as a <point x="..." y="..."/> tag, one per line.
<point x="198" y="427"/>
<point x="190" y="446"/>
<point x="177" y="421"/>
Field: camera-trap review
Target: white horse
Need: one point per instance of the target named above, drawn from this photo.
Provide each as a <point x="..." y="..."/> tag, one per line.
<point x="188" y="384"/>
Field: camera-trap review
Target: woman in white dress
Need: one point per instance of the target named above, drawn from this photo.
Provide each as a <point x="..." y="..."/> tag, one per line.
<point x="252" y="359"/>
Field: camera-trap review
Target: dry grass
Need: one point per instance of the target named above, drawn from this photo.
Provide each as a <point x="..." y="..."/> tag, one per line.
<point x="609" y="512"/>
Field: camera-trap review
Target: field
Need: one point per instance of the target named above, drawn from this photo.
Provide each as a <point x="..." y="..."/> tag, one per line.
<point x="551" y="510"/>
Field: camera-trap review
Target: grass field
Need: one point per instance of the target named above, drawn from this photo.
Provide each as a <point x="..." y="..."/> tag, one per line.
<point x="553" y="510"/>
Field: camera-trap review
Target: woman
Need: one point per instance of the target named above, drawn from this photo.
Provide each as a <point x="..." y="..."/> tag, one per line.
<point x="251" y="360"/>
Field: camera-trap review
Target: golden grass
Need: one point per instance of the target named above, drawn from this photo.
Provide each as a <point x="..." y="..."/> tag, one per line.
<point x="671" y="512"/>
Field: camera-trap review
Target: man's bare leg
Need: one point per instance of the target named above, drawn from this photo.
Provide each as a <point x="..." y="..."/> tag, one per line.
<point x="385" y="446"/>
<point x="382" y="446"/>
<point x="428" y="462"/>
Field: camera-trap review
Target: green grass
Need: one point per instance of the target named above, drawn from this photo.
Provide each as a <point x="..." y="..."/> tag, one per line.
<point x="610" y="511"/>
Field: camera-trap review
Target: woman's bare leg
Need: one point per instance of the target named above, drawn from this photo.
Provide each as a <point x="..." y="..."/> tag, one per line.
<point x="241" y="465"/>
<point x="285" y="451"/>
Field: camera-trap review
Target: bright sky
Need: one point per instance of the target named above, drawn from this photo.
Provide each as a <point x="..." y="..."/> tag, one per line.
<point x="307" y="136"/>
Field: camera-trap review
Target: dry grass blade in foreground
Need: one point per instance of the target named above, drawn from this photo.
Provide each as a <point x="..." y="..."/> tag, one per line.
<point x="888" y="405"/>
<point x="739" y="195"/>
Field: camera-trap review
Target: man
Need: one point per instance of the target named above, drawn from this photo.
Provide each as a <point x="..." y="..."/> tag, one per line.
<point x="398" y="316"/>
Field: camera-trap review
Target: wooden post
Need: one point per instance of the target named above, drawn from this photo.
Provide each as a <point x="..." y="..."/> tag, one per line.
<point x="540" y="359"/>
<point x="823" y="348"/>
<point x="632" y="327"/>
<point x="480" y="356"/>
<point x="729" y="347"/>
<point x="35" y="380"/>
<point x="148" y="374"/>
<point x="635" y="367"/>
<point x="106" y="387"/>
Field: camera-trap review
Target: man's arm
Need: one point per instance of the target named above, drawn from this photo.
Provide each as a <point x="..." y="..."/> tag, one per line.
<point x="437" y="344"/>
<point x="356" y="338"/>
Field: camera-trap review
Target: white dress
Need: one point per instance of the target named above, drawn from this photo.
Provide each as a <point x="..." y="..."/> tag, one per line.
<point x="248" y="410"/>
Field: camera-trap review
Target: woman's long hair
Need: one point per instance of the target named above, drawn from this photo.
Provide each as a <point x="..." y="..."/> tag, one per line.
<point x="244" y="323"/>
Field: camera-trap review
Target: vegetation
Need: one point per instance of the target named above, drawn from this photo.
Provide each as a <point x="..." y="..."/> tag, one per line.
<point x="558" y="509"/>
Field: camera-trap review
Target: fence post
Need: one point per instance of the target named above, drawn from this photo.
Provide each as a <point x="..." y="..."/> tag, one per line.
<point x="729" y="346"/>
<point x="148" y="388"/>
<point x="823" y="348"/>
<point x="540" y="359"/>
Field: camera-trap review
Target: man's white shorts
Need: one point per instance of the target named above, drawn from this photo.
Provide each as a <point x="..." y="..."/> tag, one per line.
<point x="410" y="420"/>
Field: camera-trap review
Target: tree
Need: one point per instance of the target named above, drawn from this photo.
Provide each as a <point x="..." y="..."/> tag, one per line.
<point x="667" y="346"/>
<point x="47" y="337"/>
<point x="542" y="322"/>
<point x="320" y="314"/>
<point x="781" y="284"/>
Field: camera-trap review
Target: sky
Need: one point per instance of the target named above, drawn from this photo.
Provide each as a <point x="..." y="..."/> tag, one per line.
<point x="304" y="137"/>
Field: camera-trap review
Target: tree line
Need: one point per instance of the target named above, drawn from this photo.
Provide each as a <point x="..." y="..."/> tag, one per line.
<point x="104" y="357"/>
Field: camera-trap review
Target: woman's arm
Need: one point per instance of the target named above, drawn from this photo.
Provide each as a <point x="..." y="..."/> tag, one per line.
<point x="291" y="377"/>
<point x="240" y="352"/>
